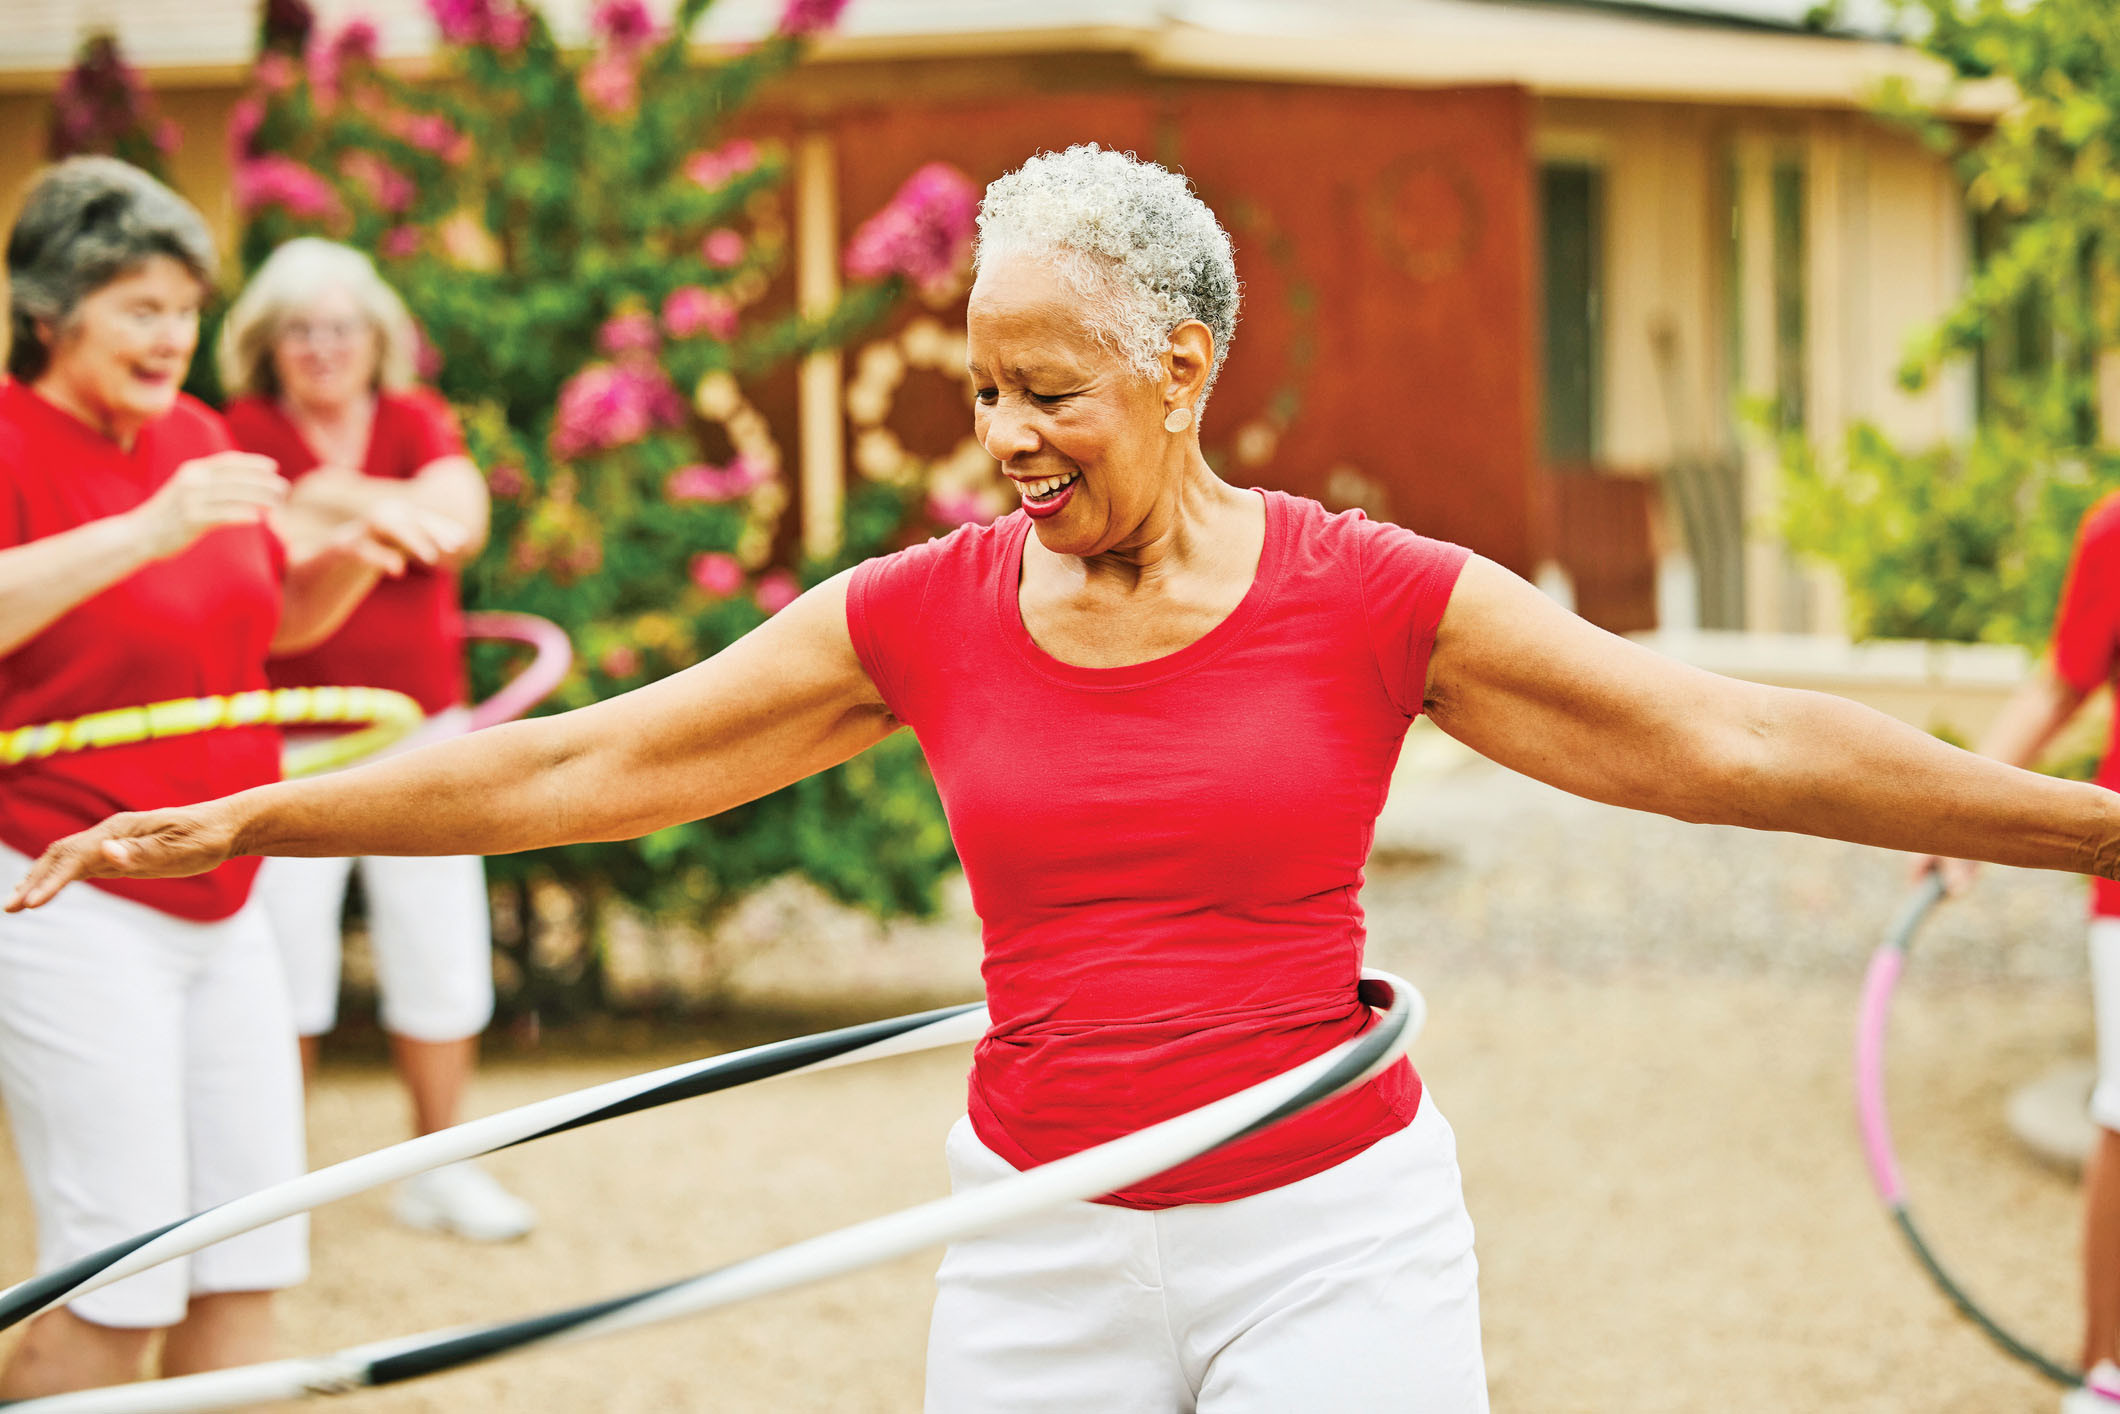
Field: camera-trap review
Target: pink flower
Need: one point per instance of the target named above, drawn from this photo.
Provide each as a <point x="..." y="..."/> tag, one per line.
<point x="622" y="661"/>
<point x="499" y="24"/>
<point x="807" y="17"/>
<point x="957" y="508"/>
<point x="611" y="82"/>
<point x="609" y="405"/>
<point x="431" y="132"/>
<point x="717" y="574"/>
<point x="243" y="122"/>
<point x="713" y="170"/>
<point x="633" y="332"/>
<point x="426" y="358"/>
<point x="625" y="24"/>
<point x="711" y="485"/>
<point x="776" y="590"/>
<point x="275" y="72"/>
<point x="385" y="185"/>
<point x="168" y="137"/>
<point x="279" y="181"/>
<point x="507" y="481"/>
<point x="722" y="248"/>
<point x="923" y="233"/>
<point x="400" y="243"/>
<point x="354" y="45"/>
<point x="691" y="310"/>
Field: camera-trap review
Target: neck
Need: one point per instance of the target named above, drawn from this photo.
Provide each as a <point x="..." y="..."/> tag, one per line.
<point x="354" y="413"/>
<point x="119" y="426"/>
<point x="1181" y="529"/>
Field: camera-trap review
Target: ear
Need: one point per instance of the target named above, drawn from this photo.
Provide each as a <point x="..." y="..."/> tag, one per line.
<point x="1187" y="361"/>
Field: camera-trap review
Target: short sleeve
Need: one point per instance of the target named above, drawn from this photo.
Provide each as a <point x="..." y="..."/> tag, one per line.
<point x="886" y="600"/>
<point x="14" y="523"/>
<point x="1406" y="582"/>
<point x="434" y="429"/>
<point x="2087" y="627"/>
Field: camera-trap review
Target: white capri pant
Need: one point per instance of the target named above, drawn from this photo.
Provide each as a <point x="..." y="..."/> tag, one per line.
<point x="428" y="924"/>
<point x="1353" y="1289"/>
<point x="149" y="1071"/>
<point x="2105" y="1008"/>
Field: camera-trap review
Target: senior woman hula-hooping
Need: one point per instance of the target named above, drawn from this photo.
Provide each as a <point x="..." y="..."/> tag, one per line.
<point x="317" y="356"/>
<point x="146" y="1056"/>
<point x="1162" y="712"/>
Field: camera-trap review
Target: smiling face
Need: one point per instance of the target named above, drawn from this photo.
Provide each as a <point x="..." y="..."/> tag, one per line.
<point x="1073" y="424"/>
<point x="120" y="359"/>
<point x="325" y="352"/>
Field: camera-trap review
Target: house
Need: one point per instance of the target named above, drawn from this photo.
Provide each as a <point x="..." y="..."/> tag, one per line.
<point x="1512" y="266"/>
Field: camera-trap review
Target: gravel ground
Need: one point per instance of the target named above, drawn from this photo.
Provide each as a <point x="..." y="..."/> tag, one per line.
<point x="1640" y="1030"/>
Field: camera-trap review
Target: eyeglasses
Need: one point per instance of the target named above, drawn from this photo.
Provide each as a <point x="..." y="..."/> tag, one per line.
<point x="322" y="331"/>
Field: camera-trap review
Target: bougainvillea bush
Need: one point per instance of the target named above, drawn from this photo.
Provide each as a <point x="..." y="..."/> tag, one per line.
<point x="592" y="254"/>
<point x="103" y="108"/>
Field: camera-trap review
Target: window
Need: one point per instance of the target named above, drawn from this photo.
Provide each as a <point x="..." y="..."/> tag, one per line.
<point x="1572" y="218"/>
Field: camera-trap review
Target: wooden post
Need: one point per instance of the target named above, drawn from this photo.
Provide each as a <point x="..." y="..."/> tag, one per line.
<point x="818" y="399"/>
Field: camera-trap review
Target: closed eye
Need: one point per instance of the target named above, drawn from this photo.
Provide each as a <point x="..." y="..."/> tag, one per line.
<point x="988" y="396"/>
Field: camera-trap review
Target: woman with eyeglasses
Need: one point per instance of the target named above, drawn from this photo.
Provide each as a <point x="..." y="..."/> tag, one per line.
<point x="318" y="357"/>
<point x="146" y="1055"/>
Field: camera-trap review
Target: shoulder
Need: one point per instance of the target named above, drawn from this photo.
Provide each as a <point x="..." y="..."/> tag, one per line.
<point x="2101" y="525"/>
<point x="1349" y="540"/>
<point x="250" y="416"/>
<point x="969" y="550"/>
<point x="193" y="429"/>
<point x="14" y="431"/>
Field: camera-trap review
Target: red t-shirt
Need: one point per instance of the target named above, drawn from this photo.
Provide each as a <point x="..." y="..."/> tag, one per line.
<point x="408" y="634"/>
<point x="2087" y="642"/>
<point x="1167" y="858"/>
<point x="194" y="625"/>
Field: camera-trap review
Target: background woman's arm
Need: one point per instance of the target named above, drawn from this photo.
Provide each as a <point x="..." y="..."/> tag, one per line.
<point x="326" y="580"/>
<point x="1535" y="688"/>
<point x="784" y="702"/>
<point x="452" y="488"/>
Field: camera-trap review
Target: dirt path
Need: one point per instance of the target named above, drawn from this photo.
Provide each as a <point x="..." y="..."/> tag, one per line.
<point x="1670" y="1201"/>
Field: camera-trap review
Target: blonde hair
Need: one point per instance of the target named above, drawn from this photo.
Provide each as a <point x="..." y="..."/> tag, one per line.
<point x="292" y="276"/>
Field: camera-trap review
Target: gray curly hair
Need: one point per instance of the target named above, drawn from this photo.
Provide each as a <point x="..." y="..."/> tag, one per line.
<point x="84" y="223"/>
<point x="1130" y="237"/>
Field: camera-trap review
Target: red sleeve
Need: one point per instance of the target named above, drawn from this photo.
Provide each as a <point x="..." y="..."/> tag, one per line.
<point x="435" y="433"/>
<point x="13" y="524"/>
<point x="885" y="602"/>
<point x="2087" y="628"/>
<point x="1406" y="584"/>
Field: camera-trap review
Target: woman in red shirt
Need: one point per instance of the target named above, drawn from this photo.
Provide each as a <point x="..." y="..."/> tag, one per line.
<point x="1162" y="712"/>
<point x="318" y="356"/>
<point x="2085" y="657"/>
<point x="145" y="1056"/>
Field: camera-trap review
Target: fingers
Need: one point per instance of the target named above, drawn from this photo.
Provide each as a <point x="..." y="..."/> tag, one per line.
<point x="420" y="535"/>
<point x="1957" y="874"/>
<point x="57" y="867"/>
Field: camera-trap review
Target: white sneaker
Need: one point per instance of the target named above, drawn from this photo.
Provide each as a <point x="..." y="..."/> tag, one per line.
<point x="466" y="1200"/>
<point x="2099" y="1394"/>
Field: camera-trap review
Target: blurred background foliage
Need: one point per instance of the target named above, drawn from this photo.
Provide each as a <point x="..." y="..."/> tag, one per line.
<point x="1971" y="542"/>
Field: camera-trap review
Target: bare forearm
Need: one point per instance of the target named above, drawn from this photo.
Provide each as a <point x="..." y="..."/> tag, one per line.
<point x="452" y="488"/>
<point x="41" y="581"/>
<point x="2035" y="713"/>
<point x="1822" y="765"/>
<point x="320" y="593"/>
<point x="509" y="788"/>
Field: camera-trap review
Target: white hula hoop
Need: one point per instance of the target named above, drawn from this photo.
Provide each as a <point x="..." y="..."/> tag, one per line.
<point x="1089" y="1174"/>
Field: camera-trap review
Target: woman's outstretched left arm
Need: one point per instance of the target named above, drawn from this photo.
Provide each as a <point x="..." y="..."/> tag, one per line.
<point x="788" y="700"/>
<point x="1529" y="685"/>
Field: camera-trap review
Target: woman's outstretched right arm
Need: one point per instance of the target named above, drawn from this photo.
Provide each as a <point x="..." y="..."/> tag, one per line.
<point x="784" y="702"/>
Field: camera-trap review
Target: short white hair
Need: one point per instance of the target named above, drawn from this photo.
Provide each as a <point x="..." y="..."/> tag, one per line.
<point x="1131" y="238"/>
<point x="290" y="278"/>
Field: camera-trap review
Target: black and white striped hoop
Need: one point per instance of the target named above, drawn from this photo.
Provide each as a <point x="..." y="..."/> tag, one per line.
<point x="1086" y="1175"/>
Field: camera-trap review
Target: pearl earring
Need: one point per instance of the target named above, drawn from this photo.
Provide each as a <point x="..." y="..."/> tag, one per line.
<point x="1177" y="419"/>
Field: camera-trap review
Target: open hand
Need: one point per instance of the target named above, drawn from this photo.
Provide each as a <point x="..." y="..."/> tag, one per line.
<point x="392" y="535"/>
<point x="147" y="844"/>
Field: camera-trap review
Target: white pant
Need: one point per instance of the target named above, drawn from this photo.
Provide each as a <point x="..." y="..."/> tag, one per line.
<point x="2105" y="1009"/>
<point x="1355" y="1289"/>
<point x="149" y="1071"/>
<point x="428" y="924"/>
